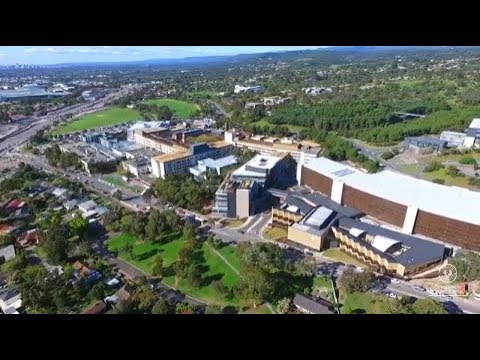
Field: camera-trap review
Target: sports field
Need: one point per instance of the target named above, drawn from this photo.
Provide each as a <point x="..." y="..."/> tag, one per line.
<point x="98" y="119"/>
<point x="181" y="109"/>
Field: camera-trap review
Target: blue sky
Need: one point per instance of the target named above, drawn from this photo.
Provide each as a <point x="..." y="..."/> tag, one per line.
<point x="61" y="54"/>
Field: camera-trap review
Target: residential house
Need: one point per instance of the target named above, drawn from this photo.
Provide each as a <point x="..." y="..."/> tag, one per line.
<point x="15" y="205"/>
<point x="7" y="253"/>
<point x="310" y="306"/>
<point x="98" y="307"/>
<point x="125" y="293"/>
<point x="70" y="204"/>
<point x="60" y="193"/>
<point x="28" y="238"/>
<point x="87" y="206"/>
<point x="10" y="299"/>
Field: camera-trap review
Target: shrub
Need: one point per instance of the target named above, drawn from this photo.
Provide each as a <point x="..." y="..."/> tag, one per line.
<point x="467" y="160"/>
<point x="439" y="181"/>
<point x="454" y="172"/>
<point x="433" y="166"/>
<point x="387" y="155"/>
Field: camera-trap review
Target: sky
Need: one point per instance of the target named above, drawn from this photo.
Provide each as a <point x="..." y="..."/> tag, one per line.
<point x="42" y="55"/>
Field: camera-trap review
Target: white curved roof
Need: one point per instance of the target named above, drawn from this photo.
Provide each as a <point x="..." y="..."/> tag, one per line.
<point x="383" y="243"/>
<point x="448" y="201"/>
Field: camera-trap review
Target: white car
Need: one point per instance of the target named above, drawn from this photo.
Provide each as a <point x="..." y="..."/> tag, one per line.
<point x="392" y="295"/>
<point x="395" y="281"/>
<point x="431" y="292"/>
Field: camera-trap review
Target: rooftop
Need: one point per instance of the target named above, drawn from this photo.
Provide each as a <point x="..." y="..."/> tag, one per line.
<point x="475" y="124"/>
<point x="319" y="306"/>
<point x="262" y="163"/>
<point x="416" y="250"/>
<point x="449" y="201"/>
<point x="7" y="252"/>
<point x="171" y="156"/>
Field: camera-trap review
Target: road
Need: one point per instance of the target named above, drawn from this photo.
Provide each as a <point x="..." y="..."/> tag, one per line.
<point x="27" y="130"/>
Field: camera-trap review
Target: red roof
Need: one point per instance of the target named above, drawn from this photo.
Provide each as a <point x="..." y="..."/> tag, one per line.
<point x="15" y="204"/>
<point x="29" y="237"/>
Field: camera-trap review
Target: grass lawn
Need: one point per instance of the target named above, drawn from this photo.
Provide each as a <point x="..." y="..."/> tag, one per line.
<point x="261" y="309"/>
<point x="233" y="223"/>
<point x="216" y="269"/>
<point x="275" y="233"/>
<point x="229" y="253"/>
<point x="97" y="119"/>
<point x="181" y="109"/>
<point x="168" y="251"/>
<point x="324" y="283"/>
<point x="292" y="128"/>
<point x="40" y="251"/>
<point x="449" y="180"/>
<point x="202" y="138"/>
<point x="339" y="255"/>
<point x="119" y="182"/>
<point x="365" y="303"/>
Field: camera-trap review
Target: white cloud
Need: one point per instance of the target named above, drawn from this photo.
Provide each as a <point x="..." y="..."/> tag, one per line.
<point x="30" y="50"/>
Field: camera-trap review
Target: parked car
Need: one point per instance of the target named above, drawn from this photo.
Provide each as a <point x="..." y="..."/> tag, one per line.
<point x="419" y="288"/>
<point x="395" y="281"/>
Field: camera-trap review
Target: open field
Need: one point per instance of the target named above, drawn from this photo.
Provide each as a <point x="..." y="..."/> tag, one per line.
<point x="292" y="128"/>
<point x="98" y="119"/>
<point x="339" y="255"/>
<point x="275" y="233"/>
<point x="216" y="268"/>
<point x="146" y="250"/>
<point x="366" y="303"/>
<point x="181" y="109"/>
<point x="117" y="180"/>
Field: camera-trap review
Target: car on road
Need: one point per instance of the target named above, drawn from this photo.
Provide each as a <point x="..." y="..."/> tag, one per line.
<point x="419" y="288"/>
<point x="241" y="231"/>
<point x="396" y="281"/>
<point x="431" y="292"/>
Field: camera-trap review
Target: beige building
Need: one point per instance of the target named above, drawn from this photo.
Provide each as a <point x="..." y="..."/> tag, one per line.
<point x="302" y="152"/>
<point x="387" y="250"/>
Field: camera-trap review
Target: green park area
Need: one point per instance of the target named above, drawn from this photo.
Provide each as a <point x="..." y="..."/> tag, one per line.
<point x="366" y="303"/>
<point x="275" y="233"/>
<point x="339" y="255"/>
<point x="98" y="119"/>
<point x="216" y="269"/>
<point x="180" y="109"/>
<point x="116" y="180"/>
<point x="292" y="128"/>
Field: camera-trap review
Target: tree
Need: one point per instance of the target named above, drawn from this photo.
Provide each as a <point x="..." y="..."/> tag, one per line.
<point x="144" y="298"/>
<point x="305" y="266"/>
<point x="284" y="306"/>
<point x="194" y="275"/>
<point x="97" y="292"/>
<point x="428" y="306"/>
<point x="351" y="281"/>
<point x="253" y="285"/>
<point x="157" y="269"/>
<point x="160" y="307"/>
<point x="189" y="232"/>
<point x="55" y="244"/>
<point x="123" y="307"/>
<point x="118" y="194"/>
<point x="79" y="226"/>
<point x="213" y="309"/>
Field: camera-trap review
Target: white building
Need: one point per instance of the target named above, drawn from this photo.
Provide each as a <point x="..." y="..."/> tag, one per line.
<point x="10" y="301"/>
<point x="472" y="138"/>
<point x="252" y="89"/>
<point x="210" y="164"/>
<point x="453" y="139"/>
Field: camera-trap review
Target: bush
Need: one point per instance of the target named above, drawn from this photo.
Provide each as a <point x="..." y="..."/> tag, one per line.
<point x="387" y="155"/>
<point x="439" y="181"/>
<point x="454" y="172"/>
<point x="467" y="160"/>
<point x="433" y="166"/>
<point x="474" y="181"/>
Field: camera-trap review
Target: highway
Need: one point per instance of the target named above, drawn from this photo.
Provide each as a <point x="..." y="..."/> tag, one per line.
<point x="26" y="131"/>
